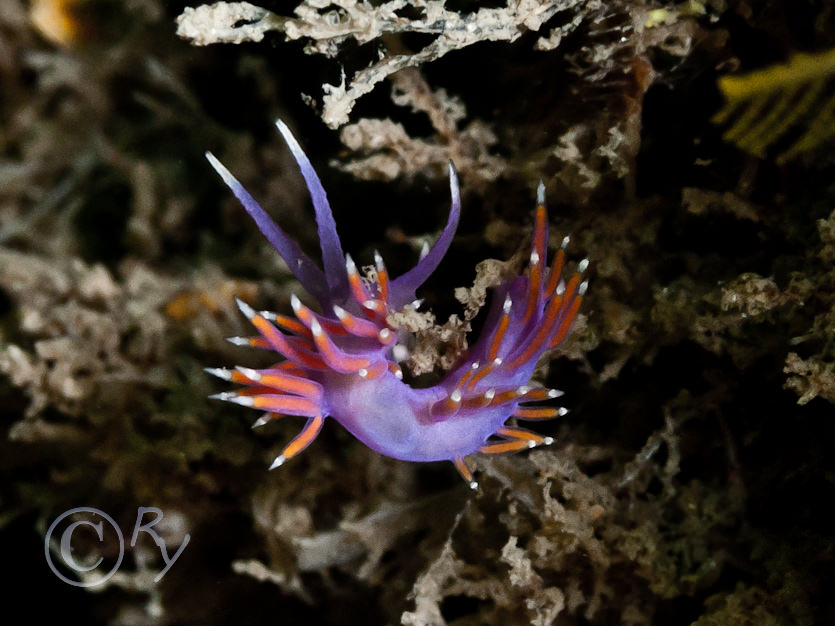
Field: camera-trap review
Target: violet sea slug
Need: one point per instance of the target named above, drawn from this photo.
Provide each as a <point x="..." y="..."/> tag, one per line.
<point x="341" y="363"/>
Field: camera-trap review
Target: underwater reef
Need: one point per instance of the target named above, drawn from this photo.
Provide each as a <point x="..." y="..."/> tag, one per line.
<point x="685" y="147"/>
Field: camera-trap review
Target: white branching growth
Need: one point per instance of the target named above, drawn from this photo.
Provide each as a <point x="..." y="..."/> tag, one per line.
<point x="384" y="150"/>
<point x="226" y="22"/>
<point x="327" y="24"/>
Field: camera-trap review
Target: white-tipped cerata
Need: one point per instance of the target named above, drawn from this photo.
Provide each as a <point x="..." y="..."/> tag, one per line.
<point x="242" y="400"/>
<point x="261" y="420"/>
<point x="424" y="250"/>
<point x="247" y="310"/>
<point x="250" y="373"/>
<point x="350" y="265"/>
<point x="295" y="303"/>
<point x="315" y="327"/>
<point x="220" y="372"/>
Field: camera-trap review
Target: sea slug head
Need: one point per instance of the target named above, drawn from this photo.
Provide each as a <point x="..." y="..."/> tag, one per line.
<point x="342" y="361"/>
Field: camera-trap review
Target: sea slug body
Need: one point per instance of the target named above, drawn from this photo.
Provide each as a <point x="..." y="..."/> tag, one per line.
<point x="340" y="363"/>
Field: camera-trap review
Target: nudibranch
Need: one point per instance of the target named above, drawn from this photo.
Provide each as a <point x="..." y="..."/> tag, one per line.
<point x="342" y="363"/>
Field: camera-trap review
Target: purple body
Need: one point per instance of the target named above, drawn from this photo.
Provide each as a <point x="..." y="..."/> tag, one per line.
<point x="340" y="363"/>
